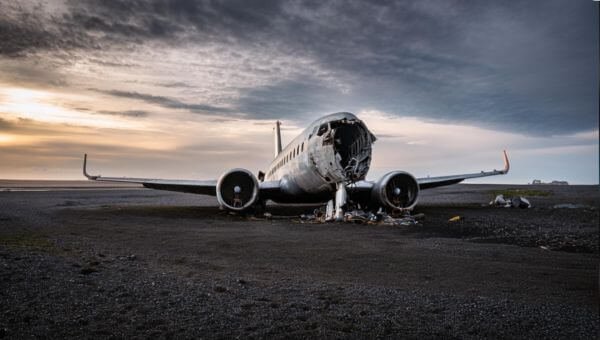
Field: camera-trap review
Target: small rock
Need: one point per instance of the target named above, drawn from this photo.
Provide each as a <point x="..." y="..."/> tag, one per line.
<point x="88" y="270"/>
<point x="220" y="289"/>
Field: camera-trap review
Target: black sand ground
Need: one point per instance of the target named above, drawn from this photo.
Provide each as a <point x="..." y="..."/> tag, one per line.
<point x="127" y="263"/>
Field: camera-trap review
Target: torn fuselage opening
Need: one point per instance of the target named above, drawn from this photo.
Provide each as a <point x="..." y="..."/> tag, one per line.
<point x="352" y="145"/>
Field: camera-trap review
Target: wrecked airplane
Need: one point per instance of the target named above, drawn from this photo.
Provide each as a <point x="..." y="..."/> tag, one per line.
<point x="327" y="162"/>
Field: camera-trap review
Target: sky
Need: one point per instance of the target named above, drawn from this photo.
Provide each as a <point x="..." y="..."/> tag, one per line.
<point x="189" y="89"/>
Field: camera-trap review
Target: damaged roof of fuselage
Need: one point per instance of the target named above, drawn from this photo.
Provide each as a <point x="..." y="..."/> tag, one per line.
<point x="340" y="116"/>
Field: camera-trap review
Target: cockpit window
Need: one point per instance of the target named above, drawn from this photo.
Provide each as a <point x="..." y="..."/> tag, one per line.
<point x="322" y="129"/>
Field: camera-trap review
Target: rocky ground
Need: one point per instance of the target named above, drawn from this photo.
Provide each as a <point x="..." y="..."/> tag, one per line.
<point x="130" y="263"/>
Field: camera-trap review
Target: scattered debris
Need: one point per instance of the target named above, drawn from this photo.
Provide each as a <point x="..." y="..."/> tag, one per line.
<point x="406" y="220"/>
<point x="520" y="202"/>
<point x="515" y="202"/>
<point x="499" y="200"/>
<point x="359" y="216"/>
<point x="544" y="248"/>
<point x="455" y="219"/>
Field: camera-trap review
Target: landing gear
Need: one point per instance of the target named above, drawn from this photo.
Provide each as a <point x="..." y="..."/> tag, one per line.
<point x="341" y="197"/>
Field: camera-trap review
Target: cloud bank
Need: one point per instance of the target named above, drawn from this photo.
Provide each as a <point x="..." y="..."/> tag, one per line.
<point x="527" y="69"/>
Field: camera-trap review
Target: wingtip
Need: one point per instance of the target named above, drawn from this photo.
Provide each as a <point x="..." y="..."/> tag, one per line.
<point x="85" y="169"/>
<point x="506" y="163"/>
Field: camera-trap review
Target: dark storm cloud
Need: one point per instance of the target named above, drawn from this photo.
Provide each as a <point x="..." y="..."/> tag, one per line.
<point x="166" y="102"/>
<point x="16" y="38"/>
<point x="287" y="100"/>
<point x="522" y="66"/>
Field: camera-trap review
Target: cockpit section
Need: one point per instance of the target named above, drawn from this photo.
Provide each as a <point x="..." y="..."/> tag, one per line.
<point x="352" y="144"/>
<point x="343" y="150"/>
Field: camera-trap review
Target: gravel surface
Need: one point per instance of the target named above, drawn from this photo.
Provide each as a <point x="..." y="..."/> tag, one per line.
<point x="136" y="263"/>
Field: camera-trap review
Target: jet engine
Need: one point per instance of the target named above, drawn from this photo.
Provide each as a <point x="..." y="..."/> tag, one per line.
<point x="237" y="189"/>
<point x="396" y="190"/>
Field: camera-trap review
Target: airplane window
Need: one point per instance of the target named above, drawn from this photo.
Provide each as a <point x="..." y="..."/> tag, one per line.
<point x="322" y="129"/>
<point x="314" y="132"/>
<point x="298" y="149"/>
<point x="302" y="147"/>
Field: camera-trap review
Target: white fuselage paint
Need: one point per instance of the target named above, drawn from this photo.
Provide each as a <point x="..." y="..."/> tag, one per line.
<point x="309" y="166"/>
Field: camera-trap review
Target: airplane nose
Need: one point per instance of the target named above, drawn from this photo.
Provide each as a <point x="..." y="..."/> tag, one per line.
<point x="237" y="189"/>
<point x="397" y="192"/>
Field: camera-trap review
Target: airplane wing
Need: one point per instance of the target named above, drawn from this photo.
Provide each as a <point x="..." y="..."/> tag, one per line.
<point x="432" y="182"/>
<point x="189" y="186"/>
<point x="363" y="188"/>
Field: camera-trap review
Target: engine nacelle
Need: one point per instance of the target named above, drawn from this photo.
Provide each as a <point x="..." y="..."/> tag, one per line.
<point x="396" y="190"/>
<point x="237" y="189"/>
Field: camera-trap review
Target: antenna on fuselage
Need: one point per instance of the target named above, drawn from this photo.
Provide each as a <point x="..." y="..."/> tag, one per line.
<point x="277" y="134"/>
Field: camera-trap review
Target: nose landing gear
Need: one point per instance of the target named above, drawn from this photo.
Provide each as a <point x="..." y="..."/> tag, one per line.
<point x="335" y="211"/>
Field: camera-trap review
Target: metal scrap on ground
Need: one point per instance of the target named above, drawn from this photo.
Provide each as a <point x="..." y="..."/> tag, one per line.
<point x="515" y="202"/>
<point x="359" y="216"/>
<point x="455" y="219"/>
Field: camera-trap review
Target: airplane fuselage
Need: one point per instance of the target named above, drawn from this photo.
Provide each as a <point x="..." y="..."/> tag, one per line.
<point x="333" y="150"/>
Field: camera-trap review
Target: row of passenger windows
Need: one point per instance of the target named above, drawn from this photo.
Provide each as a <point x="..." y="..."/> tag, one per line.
<point x="295" y="152"/>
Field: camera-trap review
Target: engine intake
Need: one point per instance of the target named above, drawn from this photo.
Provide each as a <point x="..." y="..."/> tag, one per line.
<point x="396" y="190"/>
<point x="237" y="189"/>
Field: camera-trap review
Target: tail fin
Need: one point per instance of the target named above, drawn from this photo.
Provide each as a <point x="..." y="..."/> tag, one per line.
<point x="277" y="134"/>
